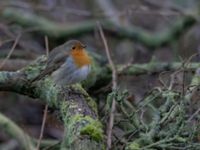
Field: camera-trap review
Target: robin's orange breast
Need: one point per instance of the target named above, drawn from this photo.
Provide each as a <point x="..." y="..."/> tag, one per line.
<point x="81" y="58"/>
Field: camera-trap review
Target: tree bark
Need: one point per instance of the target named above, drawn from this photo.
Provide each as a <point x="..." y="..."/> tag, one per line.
<point x="77" y="109"/>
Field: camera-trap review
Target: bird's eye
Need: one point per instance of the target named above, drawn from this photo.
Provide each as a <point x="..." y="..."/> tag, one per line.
<point x="73" y="47"/>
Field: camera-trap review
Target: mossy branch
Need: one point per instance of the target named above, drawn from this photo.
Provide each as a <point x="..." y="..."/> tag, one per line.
<point x="103" y="74"/>
<point x="54" y="29"/>
<point x="171" y="124"/>
<point x="16" y="132"/>
<point x="79" y="113"/>
<point x="26" y="142"/>
<point x="168" y="127"/>
<point x="77" y="110"/>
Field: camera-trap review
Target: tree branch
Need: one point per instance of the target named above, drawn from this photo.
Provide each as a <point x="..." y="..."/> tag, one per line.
<point x="77" y="110"/>
<point x="13" y="130"/>
<point x="54" y="29"/>
<point x="114" y="87"/>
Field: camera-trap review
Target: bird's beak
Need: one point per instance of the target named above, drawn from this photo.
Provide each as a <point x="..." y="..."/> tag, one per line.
<point x="84" y="46"/>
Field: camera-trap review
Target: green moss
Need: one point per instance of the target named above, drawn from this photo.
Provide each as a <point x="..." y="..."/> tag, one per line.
<point x="133" y="146"/>
<point x="48" y="92"/>
<point x="90" y="101"/>
<point x="92" y="104"/>
<point x="63" y="111"/>
<point x="88" y="126"/>
<point x="196" y="79"/>
<point x="3" y="76"/>
<point x="32" y="71"/>
<point x="70" y="124"/>
<point x="93" y="129"/>
<point x="181" y="139"/>
<point x="35" y="68"/>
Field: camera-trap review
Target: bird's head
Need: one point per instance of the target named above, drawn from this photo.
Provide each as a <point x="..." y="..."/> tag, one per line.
<point x="75" y="46"/>
<point x="78" y="53"/>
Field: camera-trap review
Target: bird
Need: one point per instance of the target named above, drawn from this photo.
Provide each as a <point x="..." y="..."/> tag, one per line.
<point x="67" y="64"/>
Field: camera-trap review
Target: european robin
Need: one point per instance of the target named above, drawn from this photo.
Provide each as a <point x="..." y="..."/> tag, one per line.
<point x="67" y="64"/>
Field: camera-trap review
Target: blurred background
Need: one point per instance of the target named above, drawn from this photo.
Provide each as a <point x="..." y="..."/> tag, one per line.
<point x="137" y="31"/>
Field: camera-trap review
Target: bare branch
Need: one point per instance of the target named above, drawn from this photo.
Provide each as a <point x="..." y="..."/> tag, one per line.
<point x="11" y="51"/>
<point x="114" y="87"/>
<point x="46" y="106"/>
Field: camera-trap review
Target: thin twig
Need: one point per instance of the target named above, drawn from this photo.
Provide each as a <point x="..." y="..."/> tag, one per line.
<point x="11" y="51"/>
<point x="42" y="127"/>
<point x="114" y="87"/>
<point x="14" y="64"/>
<point x="46" y="106"/>
<point x="193" y="115"/>
<point x="47" y="45"/>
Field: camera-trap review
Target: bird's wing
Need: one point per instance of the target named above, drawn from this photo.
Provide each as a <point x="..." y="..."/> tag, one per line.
<point x="56" y="58"/>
